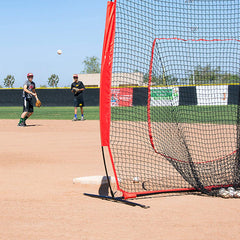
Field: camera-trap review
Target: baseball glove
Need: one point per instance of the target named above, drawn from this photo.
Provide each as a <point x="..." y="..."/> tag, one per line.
<point x="38" y="103"/>
<point x="75" y="90"/>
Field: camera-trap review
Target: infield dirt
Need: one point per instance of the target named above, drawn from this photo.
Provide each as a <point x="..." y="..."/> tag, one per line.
<point x="39" y="201"/>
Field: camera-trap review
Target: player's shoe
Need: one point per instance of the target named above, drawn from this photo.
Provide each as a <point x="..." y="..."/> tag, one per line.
<point x="22" y="124"/>
<point x="74" y="119"/>
<point x="82" y="118"/>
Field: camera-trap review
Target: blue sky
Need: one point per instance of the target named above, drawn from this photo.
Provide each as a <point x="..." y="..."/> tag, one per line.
<point x="33" y="31"/>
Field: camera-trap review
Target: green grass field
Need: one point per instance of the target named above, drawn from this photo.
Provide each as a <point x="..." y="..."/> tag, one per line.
<point x="57" y="113"/>
<point x="188" y="114"/>
<point x="181" y="114"/>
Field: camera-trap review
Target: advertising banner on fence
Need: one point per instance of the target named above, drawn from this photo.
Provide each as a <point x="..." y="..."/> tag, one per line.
<point x="212" y="95"/>
<point x="164" y="96"/>
<point x="121" y="97"/>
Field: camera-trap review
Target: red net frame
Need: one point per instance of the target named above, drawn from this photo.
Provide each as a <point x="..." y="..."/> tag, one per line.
<point x="106" y="111"/>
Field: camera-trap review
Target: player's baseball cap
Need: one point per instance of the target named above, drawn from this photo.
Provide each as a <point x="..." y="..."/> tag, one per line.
<point x="75" y="76"/>
<point x="29" y="75"/>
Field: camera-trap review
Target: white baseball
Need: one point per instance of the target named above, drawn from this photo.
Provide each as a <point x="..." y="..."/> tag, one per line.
<point x="237" y="194"/>
<point x="230" y="189"/>
<point x="135" y="180"/>
<point x="222" y="191"/>
<point x="59" y="52"/>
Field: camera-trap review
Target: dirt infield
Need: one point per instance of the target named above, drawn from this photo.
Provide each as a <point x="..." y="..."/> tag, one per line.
<point x="38" y="200"/>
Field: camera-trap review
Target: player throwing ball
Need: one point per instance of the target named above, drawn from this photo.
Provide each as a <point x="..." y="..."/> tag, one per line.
<point x="77" y="88"/>
<point x="28" y="93"/>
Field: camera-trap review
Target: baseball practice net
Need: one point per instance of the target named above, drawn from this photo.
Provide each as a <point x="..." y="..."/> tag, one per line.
<point x="169" y="96"/>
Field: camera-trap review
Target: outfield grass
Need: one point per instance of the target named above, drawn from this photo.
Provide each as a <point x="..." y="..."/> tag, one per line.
<point x="182" y="114"/>
<point x="188" y="114"/>
<point x="64" y="113"/>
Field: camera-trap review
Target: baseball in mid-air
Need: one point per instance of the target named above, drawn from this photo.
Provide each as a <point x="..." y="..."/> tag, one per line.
<point x="59" y="52"/>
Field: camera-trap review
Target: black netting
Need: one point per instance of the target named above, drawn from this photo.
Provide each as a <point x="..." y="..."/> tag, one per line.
<point x="187" y="54"/>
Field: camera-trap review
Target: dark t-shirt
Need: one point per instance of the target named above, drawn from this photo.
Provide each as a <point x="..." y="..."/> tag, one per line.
<point x="78" y="85"/>
<point x="30" y="87"/>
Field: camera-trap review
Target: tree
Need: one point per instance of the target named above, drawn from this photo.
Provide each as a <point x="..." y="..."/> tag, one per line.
<point x="53" y="80"/>
<point x="205" y="75"/>
<point x="210" y="75"/>
<point x="161" y="80"/>
<point x="9" y="81"/>
<point x="230" y="78"/>
<point x="91" y="65"/>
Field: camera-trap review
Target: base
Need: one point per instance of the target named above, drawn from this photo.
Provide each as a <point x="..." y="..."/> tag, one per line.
<point x="94" y="180"/>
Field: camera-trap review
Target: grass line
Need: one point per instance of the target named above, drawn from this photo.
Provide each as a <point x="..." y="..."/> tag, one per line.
<point x="53" y="113"/>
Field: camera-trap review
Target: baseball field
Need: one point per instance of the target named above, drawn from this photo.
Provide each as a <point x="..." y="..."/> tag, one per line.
<point x="39" y="201"/>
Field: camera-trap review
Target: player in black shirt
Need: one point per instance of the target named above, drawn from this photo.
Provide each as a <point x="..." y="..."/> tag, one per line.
<point x="28" y="93"/>
<point x="77" y="88"/>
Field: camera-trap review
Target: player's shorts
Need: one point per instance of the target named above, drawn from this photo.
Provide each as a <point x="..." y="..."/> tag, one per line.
<point x="78" y="101"/>
<point x="27" y="105"/>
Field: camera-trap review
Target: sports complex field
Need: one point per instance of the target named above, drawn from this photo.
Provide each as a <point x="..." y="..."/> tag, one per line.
<point x="39" y="201"/>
